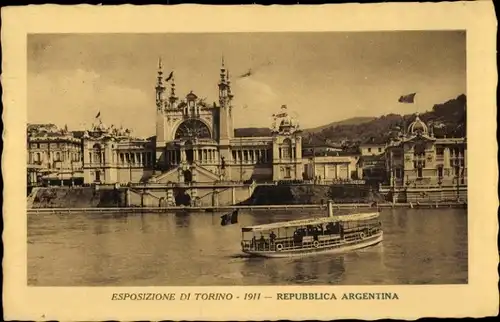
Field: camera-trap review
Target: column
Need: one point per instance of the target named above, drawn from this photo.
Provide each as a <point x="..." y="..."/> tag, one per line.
<point x="446" y="157"/>
<point x="183" y="155"/>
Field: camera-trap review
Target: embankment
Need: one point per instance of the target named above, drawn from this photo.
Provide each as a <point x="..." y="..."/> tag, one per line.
<point x="312" y="194"/>
<point x="77" y="197"/>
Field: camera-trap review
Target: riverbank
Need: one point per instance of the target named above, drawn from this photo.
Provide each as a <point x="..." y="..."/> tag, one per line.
<point x="304" y="207"/>
<point x="198" y="195"/>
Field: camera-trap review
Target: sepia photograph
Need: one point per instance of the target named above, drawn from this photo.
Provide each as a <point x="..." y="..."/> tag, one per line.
<point x="196" y="162"/>
<point x="247" y="159"/>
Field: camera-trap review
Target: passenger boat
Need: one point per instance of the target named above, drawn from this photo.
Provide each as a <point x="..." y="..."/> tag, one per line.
<point x="331" y="234"/>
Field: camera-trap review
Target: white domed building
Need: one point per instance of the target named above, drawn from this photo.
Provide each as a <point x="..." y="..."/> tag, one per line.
<point x="418" y="161"/>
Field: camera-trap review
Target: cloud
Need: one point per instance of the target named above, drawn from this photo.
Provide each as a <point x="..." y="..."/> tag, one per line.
<point x="75" y="97"/>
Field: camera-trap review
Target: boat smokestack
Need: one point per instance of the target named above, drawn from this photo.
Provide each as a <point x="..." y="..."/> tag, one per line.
<point x="330" y="208"/>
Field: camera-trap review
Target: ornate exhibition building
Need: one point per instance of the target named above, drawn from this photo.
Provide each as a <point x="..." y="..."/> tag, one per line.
<point x="195" y="143"/>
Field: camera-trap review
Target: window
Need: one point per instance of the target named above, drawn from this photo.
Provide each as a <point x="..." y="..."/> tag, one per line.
<point x="288" y="172"/>
<point x="419" y="172"/>
<point x="192" y="128"/>
<point x="369" y="149"/>
<point x="286" y="150"/>
<point x="379" y="149"/>
<point x="440" y="172"/>
<point x="97" y="153"/>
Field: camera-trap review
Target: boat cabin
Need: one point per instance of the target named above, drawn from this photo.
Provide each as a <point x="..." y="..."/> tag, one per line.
<point x="310" y="233"/>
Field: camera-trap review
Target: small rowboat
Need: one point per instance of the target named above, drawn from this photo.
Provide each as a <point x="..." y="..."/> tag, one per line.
<point x="332" y="234"/>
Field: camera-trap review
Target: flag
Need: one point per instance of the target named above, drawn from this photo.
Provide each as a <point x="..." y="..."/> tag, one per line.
<point x="410" y="98"/>
<point x="229" y="218"/>
<point x="169" y="76"/>
<point x="98" y="114"/>
<point x="234" y="217"/>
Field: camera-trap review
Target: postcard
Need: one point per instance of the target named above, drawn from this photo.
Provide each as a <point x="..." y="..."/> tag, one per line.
<point x="250" y="162"/>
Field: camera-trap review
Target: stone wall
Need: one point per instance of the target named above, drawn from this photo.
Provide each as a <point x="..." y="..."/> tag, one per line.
<point x="76" y="197"/>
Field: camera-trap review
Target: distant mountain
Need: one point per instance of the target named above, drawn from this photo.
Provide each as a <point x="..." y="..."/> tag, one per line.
<point x="263" y="131"/>
<point x="350" y="121"/>
<point x="449" y="119"/>
<point x="252" y="131"/>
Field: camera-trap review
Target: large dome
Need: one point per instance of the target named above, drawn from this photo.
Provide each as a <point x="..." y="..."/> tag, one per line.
<point x="418" y="126"/>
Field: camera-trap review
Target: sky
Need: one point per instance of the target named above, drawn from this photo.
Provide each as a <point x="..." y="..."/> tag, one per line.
<point x="322" y="77"/>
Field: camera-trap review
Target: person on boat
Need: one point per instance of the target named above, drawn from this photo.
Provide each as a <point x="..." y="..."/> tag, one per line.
<point x="254" y="241"/>
<point x="262" y="240"/>
<point x="297" y="236"/>
<point x="272" y="237"/>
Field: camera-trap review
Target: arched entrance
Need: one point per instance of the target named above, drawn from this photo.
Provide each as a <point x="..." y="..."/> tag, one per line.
<point x="189" y="152"/>
<point x="189" y="155"/>
<point x="182" y="198"/>
<point x="188" y="176"/>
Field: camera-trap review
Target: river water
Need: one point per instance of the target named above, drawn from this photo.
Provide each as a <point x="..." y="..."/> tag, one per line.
<point x="420" y="247"/>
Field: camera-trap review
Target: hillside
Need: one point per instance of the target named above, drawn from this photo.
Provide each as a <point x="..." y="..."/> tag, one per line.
<point x="350" y="121"/>
<point x="252" y="131"/>
<point x="263" y="131"/>
<point x="449" y="118"/>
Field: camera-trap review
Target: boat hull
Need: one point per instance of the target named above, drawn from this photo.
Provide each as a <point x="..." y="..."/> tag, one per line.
<point x="328" y="249"/>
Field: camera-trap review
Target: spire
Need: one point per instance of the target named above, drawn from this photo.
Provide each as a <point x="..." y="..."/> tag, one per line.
<point x="160" y="89"/>
<point x="172" y="87"/>
<point x="222" y="72"/>
<point x="230" y="95"/>
<point x="160" y="73"/>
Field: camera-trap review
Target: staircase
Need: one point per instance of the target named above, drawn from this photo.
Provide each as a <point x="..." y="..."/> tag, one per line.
<point x="197" y="169"/>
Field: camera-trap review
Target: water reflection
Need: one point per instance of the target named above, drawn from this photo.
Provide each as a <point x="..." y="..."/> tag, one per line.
<point x="419" y="247"/>
<point x="182" y="219"/>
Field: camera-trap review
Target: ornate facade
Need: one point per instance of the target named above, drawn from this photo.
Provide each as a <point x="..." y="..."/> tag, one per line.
<point x="418" y="159"/>
<point x="112" y="155"/>
<point x="54" y="156"/>
<point x="194" y="142"/>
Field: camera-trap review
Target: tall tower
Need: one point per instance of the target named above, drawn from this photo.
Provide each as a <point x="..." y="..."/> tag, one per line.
<point x="160" y="106"/>
<point x="226" y="130"/>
